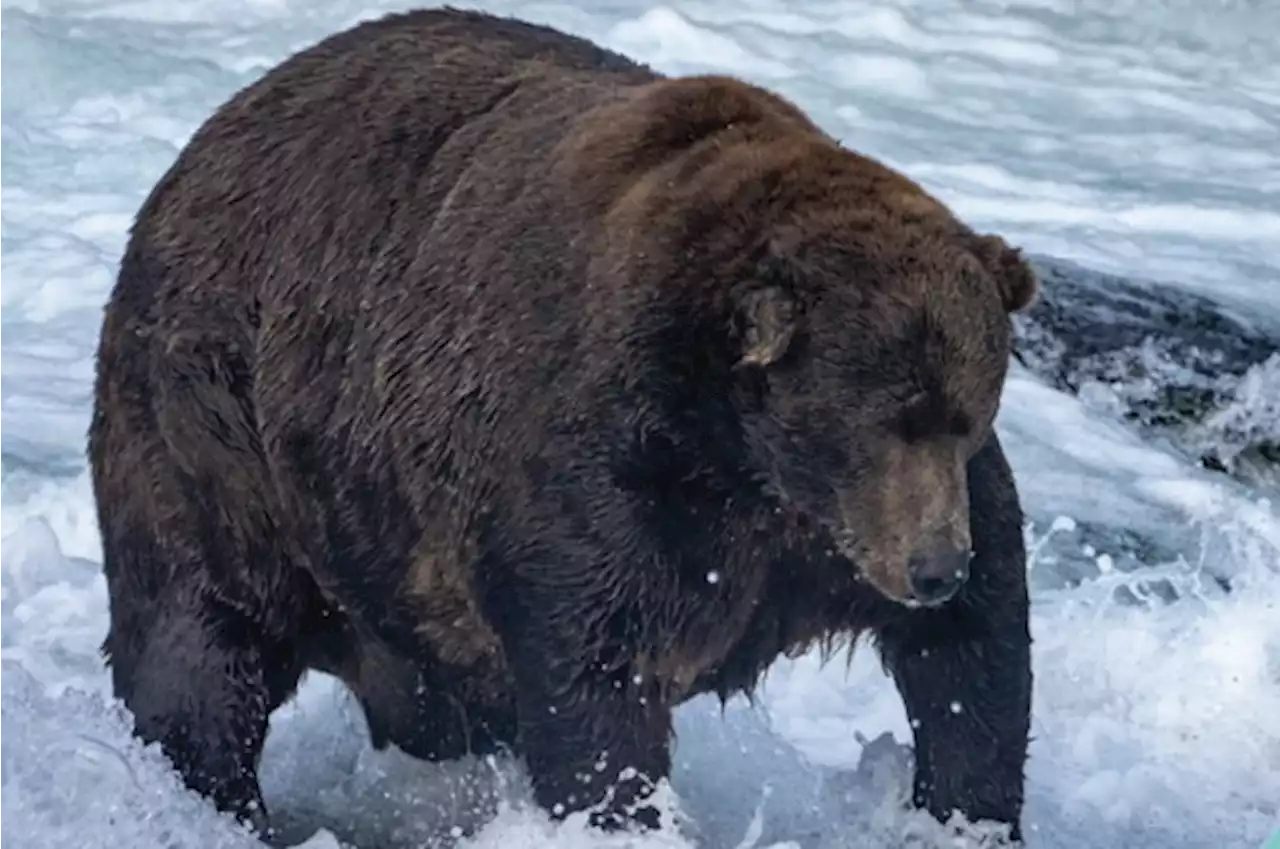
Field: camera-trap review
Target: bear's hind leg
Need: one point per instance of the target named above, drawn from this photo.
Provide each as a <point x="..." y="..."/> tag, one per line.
<point x="206" y="607"/>
<point x="202" y="680"/>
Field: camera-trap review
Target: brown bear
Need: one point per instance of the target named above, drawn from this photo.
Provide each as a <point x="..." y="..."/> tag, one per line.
<point x="532" y="392"/>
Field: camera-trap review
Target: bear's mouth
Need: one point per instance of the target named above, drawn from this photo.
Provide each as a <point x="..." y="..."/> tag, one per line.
<point x="846" y="543"/>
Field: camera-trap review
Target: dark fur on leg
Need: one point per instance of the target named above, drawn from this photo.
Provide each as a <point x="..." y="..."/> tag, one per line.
<point x="593" y="730"/>
<point x="964" y="671"/>
<point x="596" y="747"/>
<point x="203" y="685"/>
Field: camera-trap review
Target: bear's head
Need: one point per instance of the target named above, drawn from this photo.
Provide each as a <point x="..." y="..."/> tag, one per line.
<point x="873" y="336"/>
<point x="865" y="332"/>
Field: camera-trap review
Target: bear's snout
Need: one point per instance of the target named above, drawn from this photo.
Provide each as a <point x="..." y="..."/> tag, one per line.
<point x="936" y="576"/>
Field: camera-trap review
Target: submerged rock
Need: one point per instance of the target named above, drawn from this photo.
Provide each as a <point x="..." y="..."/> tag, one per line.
<point x="1178" y="365"/>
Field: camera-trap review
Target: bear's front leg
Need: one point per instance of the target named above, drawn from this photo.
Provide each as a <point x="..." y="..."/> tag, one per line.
<point x="969" y="704"/>
<point x="593" y="734"/>
<point x="964" y="670"/>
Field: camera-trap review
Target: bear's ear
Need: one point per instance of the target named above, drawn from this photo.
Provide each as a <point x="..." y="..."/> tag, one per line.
<point x="1013" y="274"/>
<point x="768" y="317"/>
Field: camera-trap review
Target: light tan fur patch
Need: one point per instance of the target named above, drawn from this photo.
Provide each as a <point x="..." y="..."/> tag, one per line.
<point x="449" y="617"/>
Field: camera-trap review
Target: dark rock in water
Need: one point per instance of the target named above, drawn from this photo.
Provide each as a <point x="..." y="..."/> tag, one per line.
<point x="1180" y="366"/>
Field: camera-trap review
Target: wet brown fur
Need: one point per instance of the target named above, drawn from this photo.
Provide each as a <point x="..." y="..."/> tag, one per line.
<point x="451" y="357"/>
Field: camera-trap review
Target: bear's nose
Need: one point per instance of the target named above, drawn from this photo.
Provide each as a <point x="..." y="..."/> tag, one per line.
<point x="935" y="577"/>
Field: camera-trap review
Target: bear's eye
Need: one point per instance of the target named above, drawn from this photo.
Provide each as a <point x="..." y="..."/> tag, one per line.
<point x="925" y="416"/>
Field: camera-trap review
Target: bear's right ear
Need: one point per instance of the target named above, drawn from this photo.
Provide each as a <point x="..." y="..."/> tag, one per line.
<point x="1013" y="274"/>
<point x="768" y="318"/>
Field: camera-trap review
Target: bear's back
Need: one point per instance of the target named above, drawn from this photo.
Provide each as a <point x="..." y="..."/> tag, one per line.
<point x="332" y="205"/>
<point x="314" y="159"/>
